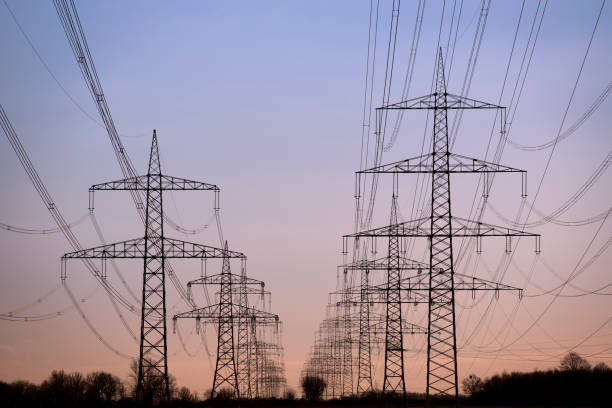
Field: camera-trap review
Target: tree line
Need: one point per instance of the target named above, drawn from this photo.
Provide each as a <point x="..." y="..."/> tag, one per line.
<point x="97" y="390"/>
<point x="573" y="383"/>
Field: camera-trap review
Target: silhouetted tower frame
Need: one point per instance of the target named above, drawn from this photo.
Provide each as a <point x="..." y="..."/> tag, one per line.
<point x="154" y="248"/>
<point x="440" y="227"/>
<point x="225" y="366"/>
<point x="394" y="341"/>
<point x="228" y="315"/>
<point x="364" y="354"/>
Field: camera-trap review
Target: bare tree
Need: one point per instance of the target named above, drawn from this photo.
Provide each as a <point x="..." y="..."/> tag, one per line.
<point x="186" y="396"/>
<point x="574" y="362"/>
<point x="472" y="384"/>
<point x="63" y="390"/>
<point x="224" y="394"/>
<point x="152" y="386"/>
<point x="102" y="386"/>
<point x="289" y="394"/>
<point x="601" y="367"/>
<point x="313" y="387"/>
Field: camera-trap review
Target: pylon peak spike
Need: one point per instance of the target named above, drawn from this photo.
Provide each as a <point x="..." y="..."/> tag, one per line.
<point x="394" y="209"/>
<point x="440" y="78"/>
<point x="154" y="163"/>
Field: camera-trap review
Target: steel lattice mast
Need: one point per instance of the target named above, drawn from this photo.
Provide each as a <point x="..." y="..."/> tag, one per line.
<point x="442" y="340"/>
<point x="154" y="248"/>
<point x="394" y="344"/>
<point x="233" y="368"/>
<point x="153" y="348"/>
<point x="244" y="368"/>
<point x="225" y="367"/>
<point x="441" y="227"/>
<point x="364" y="376"/>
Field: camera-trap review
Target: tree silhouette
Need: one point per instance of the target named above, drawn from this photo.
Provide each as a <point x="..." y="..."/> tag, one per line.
<point x="63" y="390"/>
<point x="152" y="386"/>
<point x="472" y="384"/>
<point x="20" y="394"/>
<point x="574" y="362"/>
<point x="289" y="394"/>
<point x="601" y="367"/>
<point x="313" y="387"/>
<point x="103" y="388"/>
<point x="184" y="395"/>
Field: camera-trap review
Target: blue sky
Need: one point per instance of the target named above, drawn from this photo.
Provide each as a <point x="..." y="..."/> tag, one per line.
<point x="265" y="100"/>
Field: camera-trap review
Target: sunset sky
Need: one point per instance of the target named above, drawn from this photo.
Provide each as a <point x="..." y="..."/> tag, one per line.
<point x="265" y="99"/>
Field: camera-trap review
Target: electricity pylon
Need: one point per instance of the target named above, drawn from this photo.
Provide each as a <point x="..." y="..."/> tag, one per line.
<point x="394" y="342"/>
<point x="154" y="248"/>
<point x="224" y="315"/>
<point x="440" y="227"/>
<point x="365" y="267"/>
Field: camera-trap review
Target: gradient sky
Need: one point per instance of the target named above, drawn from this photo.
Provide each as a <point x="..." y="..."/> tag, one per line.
<point x="265" y="100"/>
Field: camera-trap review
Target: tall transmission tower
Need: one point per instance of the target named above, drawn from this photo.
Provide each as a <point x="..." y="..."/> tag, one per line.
<point x="440" y="228"/>
<point x="154" y="248"/>
<point x="394" y="343"/>
<point x="370" y="295"/>
<point x="225" y="368"/>
<point x="364" y="352"/>
<point x="232" y="367"/>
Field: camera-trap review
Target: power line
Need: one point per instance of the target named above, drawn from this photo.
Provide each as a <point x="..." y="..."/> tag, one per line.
<point x="573" y="128"/>
<point x="50" y="72"/>
<point x="40" y="231"/>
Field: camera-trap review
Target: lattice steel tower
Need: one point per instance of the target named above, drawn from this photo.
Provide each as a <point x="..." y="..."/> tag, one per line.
<point x="232" y="368"/>
<point x="154" y="248"/>
<point x="440" y="228"/>
<point x="225" y="368"/>
<point x="394" y="343"/>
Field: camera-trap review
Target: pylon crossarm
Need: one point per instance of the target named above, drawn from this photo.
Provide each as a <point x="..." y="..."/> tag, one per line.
<point x="174" y="248"/>
<point x="135" y="248"/>
<point x="383" y="264"/>
<point x="167" y="183"/>
<point x="378" y="295"/>
<point x="235" y="279"/>
<point x="251" y="291"/>
<point x="470" y="283"/>
<point x="211" y="313"/>
<point x="418" y="164"/>
<point x="460" y="282"/>
<point x="456" y="164"/>
<point x="407" y="327"/>
<point x="415" y="289"/>
<point x="177" y="183"/>
<point x="463" y="164"/>
<point x="461" y="227"/>
<point x="411" y="328"/>
<point x="452" y="102"/>
<point x="131" y="248"/>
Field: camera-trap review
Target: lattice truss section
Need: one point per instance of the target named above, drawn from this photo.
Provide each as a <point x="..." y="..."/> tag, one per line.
<point x="251" y="367"/>
<point x="438" y="285"/>
<point x="154" y="249"/>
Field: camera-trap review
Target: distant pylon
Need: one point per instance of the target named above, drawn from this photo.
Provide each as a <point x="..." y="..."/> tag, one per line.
<point x="225" y="369"/>
<point x="226" y="315"/>
<point x="154" y="248"/>
<point x="394" y="344"/>
<point x="440" y="228"/>
<point x="364" y="376"/>
<point x="244" y="366"/>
